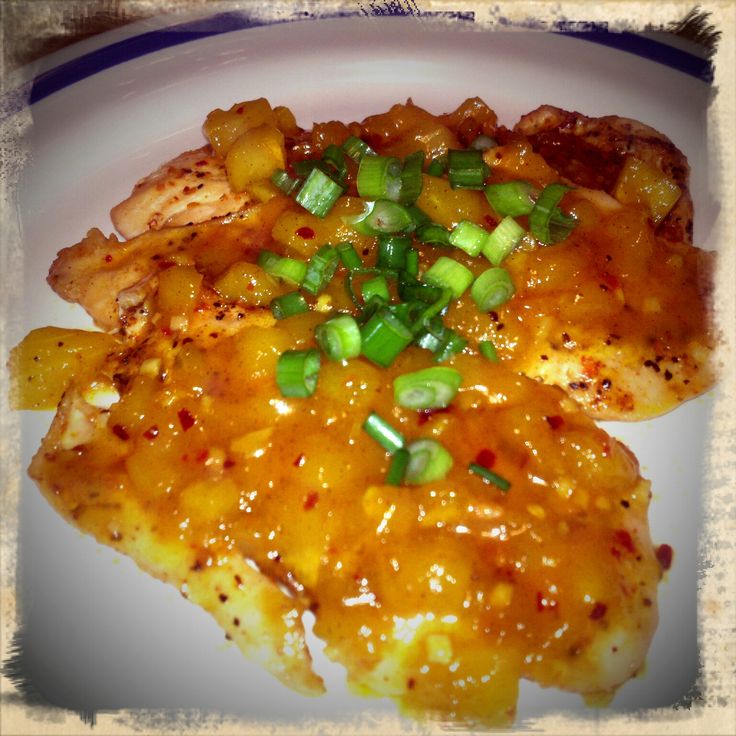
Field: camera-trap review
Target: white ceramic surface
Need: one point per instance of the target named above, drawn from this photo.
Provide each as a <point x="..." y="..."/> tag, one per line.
<point x="101" y="635"/>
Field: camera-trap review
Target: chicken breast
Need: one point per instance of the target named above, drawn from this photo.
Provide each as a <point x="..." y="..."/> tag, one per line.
<point x="191" y="188"/>
<point x="618" y="314"/>
<point x="440" y="595"/>
<point x="591" y="151"/>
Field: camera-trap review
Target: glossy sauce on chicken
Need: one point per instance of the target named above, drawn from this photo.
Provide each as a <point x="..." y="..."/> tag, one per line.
<point x="441" y="595"/>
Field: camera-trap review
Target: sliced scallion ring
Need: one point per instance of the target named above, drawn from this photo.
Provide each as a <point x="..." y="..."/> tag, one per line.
<point x="320" y="269"/>
<point x="379" y="177"/>
<point x="339" y="337"/>
<point x="504" y="238"/>
<point x="288" y="305"/>
<point x="430" y="388"/>
<point x="297" y="372"/>
<point x="356" y="148"/>
<point x="383" y="337"/>
<point x="492" y="289"/>
<point x="466" y="169"/>
<point x="411" y="178"/>
<point x="514" y="198"/>
<point x="449" y="274"/>
<point x="428" y="461"/>
<point x="469" y="237"/>
<point x="318" y="193"/>
<point x="546" y="215"/>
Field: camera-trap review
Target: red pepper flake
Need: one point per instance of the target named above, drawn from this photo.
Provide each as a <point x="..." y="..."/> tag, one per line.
<point x="486" y="458"/>
<point x="223" y="597"/>
<point x="305" y="232"/>
<point x="240" y="110"/>
<point x="489" y="220"/>
<point x="555" y="421"/>
<point x="311" y="500"/>
<point x="545" y="604"/>
<point x="166" y="331"/>
<point x="299" y="460"/>
<point x="185" y="419"/>
<point x="201" y="162"/>
<point x="151" y="432"/>
<point x="623" y="539"/>
<point x="202" y="455"/>
<point x="664" y="556"/>
<point x="108" y="258"/>
<point x="165" y="265"/>
<point x="424" y="415"/>
<point x="599" y="611"/>
<point x="119" y="431"/>
<point x="228" y="463"/>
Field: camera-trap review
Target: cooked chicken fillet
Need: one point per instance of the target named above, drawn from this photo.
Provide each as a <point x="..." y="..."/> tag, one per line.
<point x="258" y="507"/>
<point x="591" y="151"/>
<point x="191" y="188"/>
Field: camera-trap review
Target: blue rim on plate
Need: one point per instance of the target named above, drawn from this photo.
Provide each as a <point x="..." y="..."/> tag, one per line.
<point x="84" y="66"/>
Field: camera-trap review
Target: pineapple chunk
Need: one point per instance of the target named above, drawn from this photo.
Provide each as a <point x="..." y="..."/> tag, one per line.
<point x="248" y="283"/>
<point x="224" y="127"/>
<point x="47" y="359"/>
<point x="178" y="290"/>
<point x="255" y="155"/>
<point x="641" y="183"/>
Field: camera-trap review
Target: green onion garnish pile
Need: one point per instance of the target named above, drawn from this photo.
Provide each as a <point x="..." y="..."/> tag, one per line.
<point x="397" y="303"/>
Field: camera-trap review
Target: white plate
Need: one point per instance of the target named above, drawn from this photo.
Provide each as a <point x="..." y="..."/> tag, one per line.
<point x="100" y="635"/>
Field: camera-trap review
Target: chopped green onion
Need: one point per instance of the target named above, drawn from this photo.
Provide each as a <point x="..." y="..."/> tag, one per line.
<point x="339" y="337"/>
<point x="546" y="222"/>
<point x="381" y="216"/>
<point x="349" y="256"/>
<point x="356" y="148"/>
<point x="318" y="193"/>
<point x="440" y="340"/>
<point x="512" y="198"/>
<point x="376" y="288"/>
<point x="466" y="169"/>
<point x="437" y="166"/>
<point x="449" y="274"/>
<point x="488" y="350"/>
<point x="411" y="178"/>
<point x="418" y="217"/>
<point x="397" y="469"/>
<point x="411" y="265"/>
<point x="469" y="237"/>
<point x="483" y="143"/>
<point x="492" y="289"/>
<point x="392" y="251"/>
<point x="297" y="372"/>
<point x="489" y="476"/>
<point x="281" y="267"/>
<point x="428" y="461"/>
<point x="284" y="182"/>
<point x="431" y="388"/>
<point x="383" y="337"/>
<point x="504" y="238"/>
<point x="382" y="432"/>
<point x="333" y="163"/>
<point x="350" y="277"/>
<point x="379" y="177"/>
<point x="321" y="268"/>
<point x="433" y="234"/>
<point x="451" y="344"/>
<point x="304" y="168"/>
<point x="287" y="305"/>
